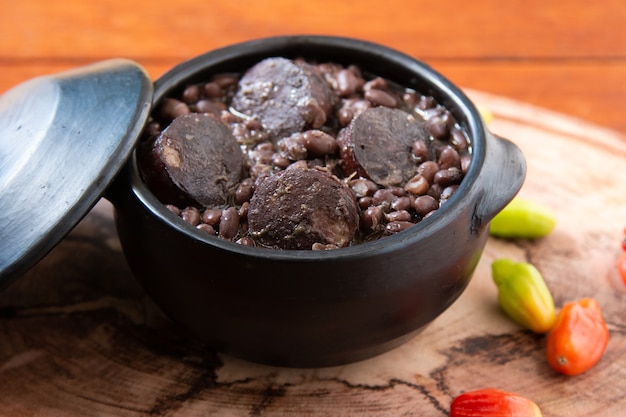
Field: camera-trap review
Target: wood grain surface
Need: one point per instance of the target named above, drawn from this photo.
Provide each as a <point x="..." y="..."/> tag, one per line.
<point x="565" y="55"/>
<point x="79" y="337"/>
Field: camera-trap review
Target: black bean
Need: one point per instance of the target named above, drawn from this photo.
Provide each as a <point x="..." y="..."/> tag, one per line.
<point x="356" y="70"/>
<point x="280" y="161"/>
<point x="365" y="202"/>
<point x="243" y="211"/>
<point x="447" y="192"/>
<point x="420" y="151"/>
<point x="263" y="153"/>
<point x="428" y="170"/>
<point x="402" y="203"/>
<point x="318" y="143"/>
<point x="398" y="191"/>
<point x="208" y="106"/>
<point x="229" y="223"/>
<point x="212" y="90"/>
<point x="398" y="216"/>
<point x="417" y="185"/>
<point x="153" y="129"/>
<point x="293" y="147"/>
<point x="224" y="81"/>
<point x="376" y="83"/>
<point x="449" y="158"/>
<point x="438" y="127"/>
<point x="253" y="124"/>
<point x="348" y="83"/>
<point x="445" y="177"/>
<point x="258" y="171"/>
<point x="362" y="187"/>
<point x="380" y="98"/>
<point x="425" y="204"/>
<point x="371" y="218"/>
<point x="459" y="139"/>
<point x="383" y="196"/>
<point x="435" y="191"/>
<point x="345" y="116"/>
<point x="191" y="215"/>
<point x="465" y="163"/>
<point x="191" y="94"/>
<point x="244" y="191"/>
<point x="212" y="217"/>
<point x="397" y="226"/>
<point x="171" y="108"/>
<point x="316" y="115"/>
<point x="207" y="228"/>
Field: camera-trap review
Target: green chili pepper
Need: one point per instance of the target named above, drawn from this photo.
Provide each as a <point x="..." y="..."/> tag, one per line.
<point x="523" y="219"/>
<point x="524" y="295"/>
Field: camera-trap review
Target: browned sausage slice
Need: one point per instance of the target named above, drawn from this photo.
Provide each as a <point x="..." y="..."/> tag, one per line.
<point x="378" y="145"/>
<point x="299" y="207"/>
<point x="286" y="96"/>
<point x="200" y="156"/>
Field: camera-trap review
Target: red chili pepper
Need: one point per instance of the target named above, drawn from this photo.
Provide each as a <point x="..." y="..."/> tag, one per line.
<point x="624" y="240"/>
<point x="578" y="339"/>
<point x="492" y="402"/>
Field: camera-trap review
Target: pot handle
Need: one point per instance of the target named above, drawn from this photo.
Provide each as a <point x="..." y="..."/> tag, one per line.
<point x="504" y="171"/>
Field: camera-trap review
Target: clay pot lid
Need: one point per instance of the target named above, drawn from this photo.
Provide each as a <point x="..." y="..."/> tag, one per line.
<point x="63" y="139"/>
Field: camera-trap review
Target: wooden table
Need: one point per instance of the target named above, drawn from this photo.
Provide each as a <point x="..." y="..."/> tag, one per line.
<point x="566" y="55"/>
<point x="79" y="337"/>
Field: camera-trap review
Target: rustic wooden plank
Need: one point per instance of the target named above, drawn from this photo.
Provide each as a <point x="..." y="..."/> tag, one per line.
<point x="79" y="337"/>
<point x="589" y="90"/>
<point x="564" y="55"/>
<point x="486" y="28"/>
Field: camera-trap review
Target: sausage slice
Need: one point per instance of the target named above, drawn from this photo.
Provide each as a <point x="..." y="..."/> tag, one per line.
<point x="378" y="145"/>
<point x="299" y="207"/>
<point x="286" y="96"/>
<point x="198" y="154"/>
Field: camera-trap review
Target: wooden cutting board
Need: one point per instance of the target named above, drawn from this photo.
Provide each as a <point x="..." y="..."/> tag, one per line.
<point x="79" y="337"/>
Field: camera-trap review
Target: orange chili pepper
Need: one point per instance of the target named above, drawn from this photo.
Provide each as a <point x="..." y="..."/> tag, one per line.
<point x="578" y="339"/>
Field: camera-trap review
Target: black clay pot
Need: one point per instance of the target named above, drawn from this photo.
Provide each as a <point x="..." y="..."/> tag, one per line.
<point x="68" y="139"/>
<point x="317" y="308"/>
